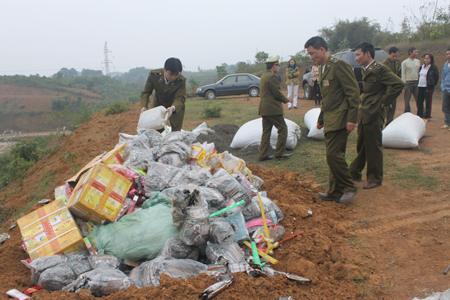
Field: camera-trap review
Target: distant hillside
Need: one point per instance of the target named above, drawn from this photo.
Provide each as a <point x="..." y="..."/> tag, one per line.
<point x="36" y="104"/>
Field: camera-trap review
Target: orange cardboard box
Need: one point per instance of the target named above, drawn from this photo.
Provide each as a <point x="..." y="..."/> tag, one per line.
<point x="99" y="194"/>
<point x="50" y="230"/>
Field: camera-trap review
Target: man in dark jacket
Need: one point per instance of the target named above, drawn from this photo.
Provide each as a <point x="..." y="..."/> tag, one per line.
<point x="271" y="111"/>
<point x="395" y="65"/>
<point x="170" y="91"/>
<point x="381" y="88"/>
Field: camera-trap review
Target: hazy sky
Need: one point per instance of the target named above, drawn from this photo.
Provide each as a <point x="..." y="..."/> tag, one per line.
<point x="41" y="36"/>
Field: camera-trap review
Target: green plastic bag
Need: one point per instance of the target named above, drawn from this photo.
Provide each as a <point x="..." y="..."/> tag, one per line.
<point x="136" y="236"/>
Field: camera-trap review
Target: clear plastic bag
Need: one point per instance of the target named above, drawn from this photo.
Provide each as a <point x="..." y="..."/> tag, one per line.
<point x="104" y="261"/>
<point x="231" y="163"/>
<point x="54" y="272"/>
<point x="220" y="231"/>
<point x="228" y="186"/>
<point x="149" y="273"/>
<point x="137" y="158"/>
<point x="101" y="282"/>
<point x="252" y="210"/>
<point x="247" y="184"/>
<point x="190" y="215"/>
<point x="173" y="159"/>
<point x="175" y="248"/>
<point x="231" y="252"/>
<point x="161" y="176"/>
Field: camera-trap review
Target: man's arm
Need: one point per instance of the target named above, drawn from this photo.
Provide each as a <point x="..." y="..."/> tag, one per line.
<point x="394" y="86"/>
<point x="444" y="75"/>
<point x="148" y="89"/>
<point x="180" y="97"/>
<point x="350" y="86"/>
<point x="403" y="71"/>
<point x="274" y="87"/>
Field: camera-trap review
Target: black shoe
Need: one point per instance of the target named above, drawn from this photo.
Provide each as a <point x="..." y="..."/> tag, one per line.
<point x="295" y="107"/>
<point x="356" y="179"/>
<point x="286" y="155"/>
<point x="266" y="158"/>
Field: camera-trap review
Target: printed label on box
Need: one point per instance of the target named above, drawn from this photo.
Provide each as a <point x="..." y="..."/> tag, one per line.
<point x="93" y="196"/>
<point x="112" y="206"/>
<point x="104" y="176"/>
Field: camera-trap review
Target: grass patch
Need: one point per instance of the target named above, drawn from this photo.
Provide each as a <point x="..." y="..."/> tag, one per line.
<point x="116" y="108"/>
<point x="411" y="177"/>
<point x="47" y="182"/>
<point x="212" y="111"/>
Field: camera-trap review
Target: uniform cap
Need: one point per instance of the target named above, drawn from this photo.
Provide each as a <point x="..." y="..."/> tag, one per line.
<point x="272" y="60"/>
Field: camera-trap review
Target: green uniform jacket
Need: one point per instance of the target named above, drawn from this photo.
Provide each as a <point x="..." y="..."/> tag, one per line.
<point x="271" y="103"/>
<point x="292" y="76"/>
<point x="381" y="85"/>
<point x="395" y="66"/>
<point x="340" y="93"/>
<point x="172" y="94"/>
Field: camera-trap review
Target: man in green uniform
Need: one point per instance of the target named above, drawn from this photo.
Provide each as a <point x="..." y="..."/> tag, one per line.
<point x="338" y="116"/>
<point x="271" y="111"/>
<point x="381" y="88"/>
<point x="395" y="65"/>
<point x="170" y="91"/>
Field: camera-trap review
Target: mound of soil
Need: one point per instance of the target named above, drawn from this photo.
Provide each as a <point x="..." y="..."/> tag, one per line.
<point x="323" y="252"/>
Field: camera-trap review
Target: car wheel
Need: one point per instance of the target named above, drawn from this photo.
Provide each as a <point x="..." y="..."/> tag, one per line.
<point x="210" y="95"/>
<point x="307" y="91"/>
<point x="253" y="92"/>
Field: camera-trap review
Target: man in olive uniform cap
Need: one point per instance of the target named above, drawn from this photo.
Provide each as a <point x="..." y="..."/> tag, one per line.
<point x="395" y="65"/>
<point x="170" y="91"/>
<point x="271" y="111"/>
<point x="338" y="116"/>
<point x="381" y="88"/>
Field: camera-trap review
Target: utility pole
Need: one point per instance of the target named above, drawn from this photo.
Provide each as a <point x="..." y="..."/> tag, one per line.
<point x="107" y="62"/>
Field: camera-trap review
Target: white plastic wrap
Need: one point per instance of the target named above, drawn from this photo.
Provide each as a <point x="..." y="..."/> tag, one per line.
<point x="311" y="123"/>
<point x="250" y="135"/>
<point x="404" y="132"/>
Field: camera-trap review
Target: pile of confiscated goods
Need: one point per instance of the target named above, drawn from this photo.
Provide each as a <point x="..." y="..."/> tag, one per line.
<point x="157" y="203"/>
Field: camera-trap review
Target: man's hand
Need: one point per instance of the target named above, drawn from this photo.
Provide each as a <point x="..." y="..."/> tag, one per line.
<point x="290" y="99"/>
<point x="170" y="110"/>
<point x="319" y="126"/>
<point x="143" y="109"/>
<point x="382" y="105"/>
<point x="350" y="126"/>
<point x="403" y="92"/>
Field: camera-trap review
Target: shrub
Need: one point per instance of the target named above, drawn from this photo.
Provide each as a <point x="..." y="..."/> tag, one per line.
<point x="116" y="108"/>
<point x="212" y="111"/>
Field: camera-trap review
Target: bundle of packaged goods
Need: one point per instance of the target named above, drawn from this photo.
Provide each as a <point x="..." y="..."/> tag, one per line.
<point x="171" y="207"/>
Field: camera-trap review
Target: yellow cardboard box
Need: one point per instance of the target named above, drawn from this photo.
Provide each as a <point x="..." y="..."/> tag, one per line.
<point x="99" y="194"/>
<point x="115" y="156"/>
<point x="50" y="230"/>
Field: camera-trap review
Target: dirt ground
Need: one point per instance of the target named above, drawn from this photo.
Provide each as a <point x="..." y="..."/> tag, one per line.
<point x="388" y="243"/>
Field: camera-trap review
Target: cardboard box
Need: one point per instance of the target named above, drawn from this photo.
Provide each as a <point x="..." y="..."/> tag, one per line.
<point x="115" y="156"/>
<point x="99" y="194"/>
<point x="50" y="230"/>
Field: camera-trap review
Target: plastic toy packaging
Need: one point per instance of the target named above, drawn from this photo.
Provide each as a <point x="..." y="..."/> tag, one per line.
<point x="175" y="248"/>
<point x="63" y="192"/>
<point x="200" y="154"/>
<point x="231" y="163"/>
<point x="231" y="252"/>
<point x="275" y="232"/>
<point x="220" y="231"/>
<point x="237" y="221"/>
<point x="149" y="273"/>
<point x="101" y="282"/>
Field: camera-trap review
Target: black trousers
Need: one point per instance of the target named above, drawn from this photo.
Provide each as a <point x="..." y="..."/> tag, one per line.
<point x="427" y="96"/>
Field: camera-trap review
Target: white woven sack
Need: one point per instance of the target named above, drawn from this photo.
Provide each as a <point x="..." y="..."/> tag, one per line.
<point x="250" y="134"/>
<point x="404" y="132"/>
<point x="153" y="118"/>
<point x="311" y="123"/>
